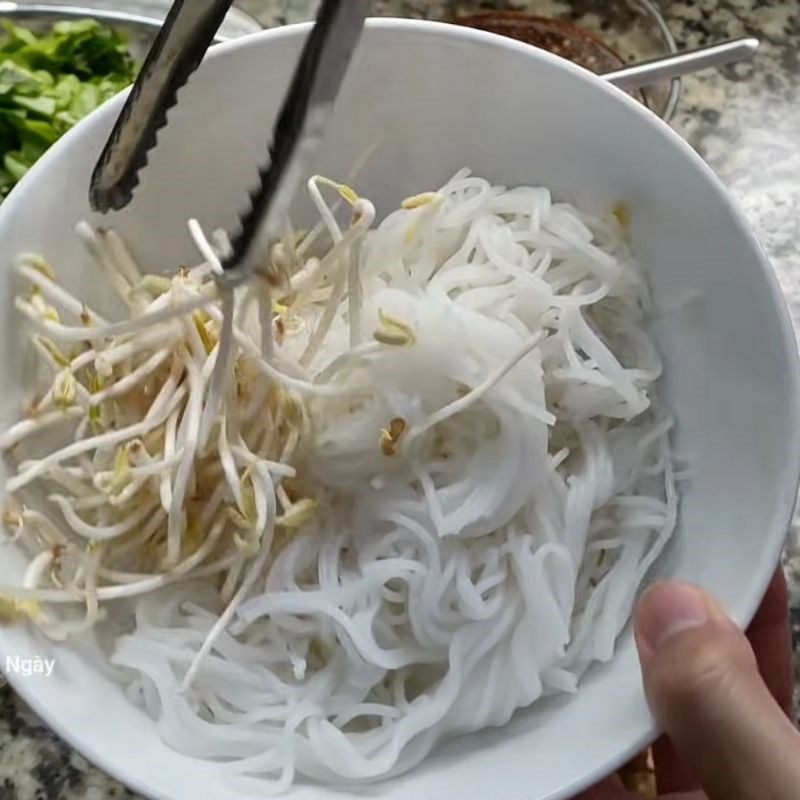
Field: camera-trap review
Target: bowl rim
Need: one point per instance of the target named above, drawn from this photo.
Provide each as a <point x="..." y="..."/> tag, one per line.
<point x="645" y="733"/>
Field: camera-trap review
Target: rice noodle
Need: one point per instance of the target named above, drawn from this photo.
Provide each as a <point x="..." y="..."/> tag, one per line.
<point x="399" y="492"/>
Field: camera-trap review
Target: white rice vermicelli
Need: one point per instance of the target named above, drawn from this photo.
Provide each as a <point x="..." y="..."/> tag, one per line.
<point x="472" y="481"/>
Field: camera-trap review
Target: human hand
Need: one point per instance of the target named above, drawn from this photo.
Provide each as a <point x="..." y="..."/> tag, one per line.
<point x="723" y="699"/>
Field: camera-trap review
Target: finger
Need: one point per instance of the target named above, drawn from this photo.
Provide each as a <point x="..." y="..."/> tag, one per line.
<point x="770" y="635"/>
<point x="703" y="684"/>
<point x="771" y="639"/>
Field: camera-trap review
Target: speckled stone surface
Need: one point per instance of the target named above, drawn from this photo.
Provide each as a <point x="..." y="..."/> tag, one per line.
<point x="744" y="120"/>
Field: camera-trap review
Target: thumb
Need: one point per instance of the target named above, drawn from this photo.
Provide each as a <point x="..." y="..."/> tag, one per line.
<point x="703" y="685"/>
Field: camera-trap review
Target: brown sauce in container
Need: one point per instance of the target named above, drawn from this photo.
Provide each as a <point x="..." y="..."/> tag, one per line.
<point x="554" y="35"/>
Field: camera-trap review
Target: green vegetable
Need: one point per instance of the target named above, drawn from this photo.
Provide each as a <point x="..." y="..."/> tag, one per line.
<point x="50" y="82"/>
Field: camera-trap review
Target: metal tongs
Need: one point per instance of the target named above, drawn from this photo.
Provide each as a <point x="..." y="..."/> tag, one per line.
<point x="183" y="41"/>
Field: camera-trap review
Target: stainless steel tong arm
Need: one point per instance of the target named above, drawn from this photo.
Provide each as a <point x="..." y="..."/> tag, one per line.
<point x="187" y="33"/>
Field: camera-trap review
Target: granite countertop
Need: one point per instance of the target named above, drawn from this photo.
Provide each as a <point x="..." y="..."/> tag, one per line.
<point x="744" y="120"/>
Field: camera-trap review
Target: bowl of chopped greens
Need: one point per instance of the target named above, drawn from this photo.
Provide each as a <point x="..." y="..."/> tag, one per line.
<point x="58" y="64"/>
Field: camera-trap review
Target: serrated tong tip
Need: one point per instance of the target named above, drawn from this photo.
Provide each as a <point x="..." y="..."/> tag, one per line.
<point x="175" y="55"/>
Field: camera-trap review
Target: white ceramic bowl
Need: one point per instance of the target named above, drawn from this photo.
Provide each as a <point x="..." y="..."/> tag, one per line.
<point x="434" y="98"/>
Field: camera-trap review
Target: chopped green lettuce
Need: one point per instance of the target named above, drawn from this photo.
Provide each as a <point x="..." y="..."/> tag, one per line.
<point x="51" y="81"/>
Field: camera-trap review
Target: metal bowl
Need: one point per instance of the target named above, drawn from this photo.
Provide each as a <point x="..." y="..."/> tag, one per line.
<point x="140" y="20"/>
<point x="599" y="36"/>
<point x="612" y="33"/>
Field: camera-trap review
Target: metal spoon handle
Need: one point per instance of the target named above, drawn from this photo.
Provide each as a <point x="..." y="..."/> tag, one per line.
<point x="665" y="68"/>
